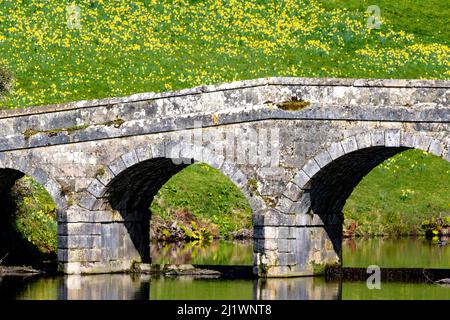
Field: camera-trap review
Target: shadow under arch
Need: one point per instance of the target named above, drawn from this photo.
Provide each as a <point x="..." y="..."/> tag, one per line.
<point x="131" y="193"/>
<point x="133" y="180"/>
<point x="326" y="181"/>
<point x="15" y="167"/>
<point x="15" y="248"/>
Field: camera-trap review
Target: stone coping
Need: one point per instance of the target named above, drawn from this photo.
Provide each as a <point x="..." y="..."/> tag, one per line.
<point x="348" y="82"/>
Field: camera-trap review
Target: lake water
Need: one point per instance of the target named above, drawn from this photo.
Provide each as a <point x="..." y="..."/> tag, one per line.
<point x="407" y="252"/>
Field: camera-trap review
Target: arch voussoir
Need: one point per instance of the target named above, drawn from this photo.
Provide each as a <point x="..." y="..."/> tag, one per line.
<point x="349" y="144"/>
<point x="363" y="140"/>
<point x="311" y="168"/>
<point x="377" y="138"/>
<point x="446" y="155"/>
<point x="323" y="158"/>
<point x="31" y="168"/>
<point x="284" y="204"/>
<point x="335" y="150"/>
<point x="143" y="152"/>
<point x="117" y="166"/>
<point x="96" y="188"/>
<point x="88" y="201"/>
<point x="54" y="189"/>
<point x="130" y="158"/>
<point x="423" y="142"/>
<point x="392" y="138"/>
<point x="104" y="175"/>
<point x="292" y="191"/>
<point x="301" y="179"/>
<point x="436" y="148"/>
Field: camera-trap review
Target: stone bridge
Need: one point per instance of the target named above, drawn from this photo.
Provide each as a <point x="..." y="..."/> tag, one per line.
<point x="295" y="147"/>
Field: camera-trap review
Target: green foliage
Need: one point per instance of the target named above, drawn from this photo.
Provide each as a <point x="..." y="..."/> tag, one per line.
<point x="195" y="233"/>
<point x="397" y="196"/>
<point x="39" y="229"/>
<point x="35" y="216"/>
<point x="436" y="227"/>
<point x="208" y="195"/>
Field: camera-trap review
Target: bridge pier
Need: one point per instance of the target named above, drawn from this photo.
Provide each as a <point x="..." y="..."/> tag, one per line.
<point x="285" y="246"/>
<point x="101" y="242"/>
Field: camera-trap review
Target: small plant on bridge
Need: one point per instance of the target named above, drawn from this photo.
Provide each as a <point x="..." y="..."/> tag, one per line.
<point x="293" y="105"/>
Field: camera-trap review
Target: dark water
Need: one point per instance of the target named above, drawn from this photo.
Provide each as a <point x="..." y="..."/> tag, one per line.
<point x="361" y="253"/>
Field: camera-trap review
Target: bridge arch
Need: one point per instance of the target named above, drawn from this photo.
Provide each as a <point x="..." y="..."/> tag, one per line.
<point x="104" y="190"/>
<point x="316" y="195"/>
<point x="347" y="161"/>
<point x="19" y="249"/>
<point x="128" y="184"/>
<point x="13" y="168"/>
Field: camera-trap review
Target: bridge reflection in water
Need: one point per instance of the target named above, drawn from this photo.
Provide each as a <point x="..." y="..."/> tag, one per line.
<point x="304" y="288"/>
<point x="104" y="287"/>
<point x="131" y="287"/>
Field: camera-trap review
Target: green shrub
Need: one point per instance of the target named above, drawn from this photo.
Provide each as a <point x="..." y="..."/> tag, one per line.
<point x="35" y="216"/>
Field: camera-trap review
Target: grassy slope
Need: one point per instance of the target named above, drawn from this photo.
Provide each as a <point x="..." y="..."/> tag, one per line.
<point x="208" y="194"/>
<point x="126" y="47"/>
<point x="398" y="195"/>
<point x="36" y="215"/>
<point x="425" y="19"/>
<point x="181" y="44"/>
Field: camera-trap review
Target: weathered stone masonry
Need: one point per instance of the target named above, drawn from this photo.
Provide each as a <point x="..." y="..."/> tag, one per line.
<point x="104" y="160"/>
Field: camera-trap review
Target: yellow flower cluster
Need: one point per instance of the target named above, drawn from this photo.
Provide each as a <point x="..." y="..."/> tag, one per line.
<point x="394" y="58"/>
<point x="123" y="47"/>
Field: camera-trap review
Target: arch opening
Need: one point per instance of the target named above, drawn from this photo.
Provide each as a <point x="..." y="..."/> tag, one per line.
<point x="28" y="221"/>
<point x="331" y="187"/>
<point x="200" y="217"/>
<point x="405" y="190"/>
<point x="334" y="183"/>
<point x="132" y="194"/>
<point x="135" y="188"/>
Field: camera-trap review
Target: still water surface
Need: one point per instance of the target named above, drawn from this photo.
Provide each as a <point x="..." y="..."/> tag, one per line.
<point x="360" y="253"/>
